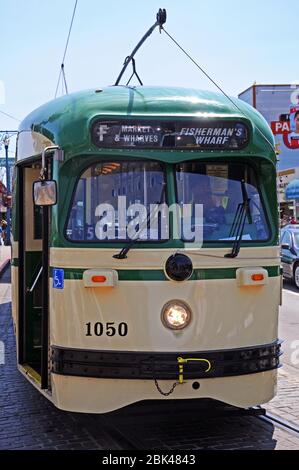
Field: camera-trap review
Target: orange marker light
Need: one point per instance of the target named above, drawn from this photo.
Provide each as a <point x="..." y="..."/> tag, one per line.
<point x="99" y="279"/>
<point x="257" y="277"/>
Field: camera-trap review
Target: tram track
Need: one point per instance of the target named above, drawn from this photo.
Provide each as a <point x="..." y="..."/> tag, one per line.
<point x="131" y="442"/>
<point x="122" y="436"/>
<point x="281" y="423"/>
<point x="125" y="440"/>
<point x="150" y="428"/>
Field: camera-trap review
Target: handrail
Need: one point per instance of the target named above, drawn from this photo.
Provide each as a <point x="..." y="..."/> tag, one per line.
<point x="31" y="289"/>
<point x="51" y="148"/>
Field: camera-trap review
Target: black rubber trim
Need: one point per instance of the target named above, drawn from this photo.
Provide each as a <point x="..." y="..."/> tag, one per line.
<point x="164" y="365"/>
<point x="21" y="270"/>
<point x="45" y="297"/>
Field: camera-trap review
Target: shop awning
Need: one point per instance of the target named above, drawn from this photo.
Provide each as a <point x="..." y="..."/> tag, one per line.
<point x="292" y="190"/>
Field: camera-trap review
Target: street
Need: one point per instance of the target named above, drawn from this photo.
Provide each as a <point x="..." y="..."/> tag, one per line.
<point x="286" y="403"/>
<point x="29" y="421"/>
<point x="289" y="325"/>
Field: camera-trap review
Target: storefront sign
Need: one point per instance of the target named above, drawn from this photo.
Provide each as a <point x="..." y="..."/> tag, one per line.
<point x="288" y="125"/>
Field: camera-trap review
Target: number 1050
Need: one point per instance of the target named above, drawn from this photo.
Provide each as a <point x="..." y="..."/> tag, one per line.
<point x="107" y="329"/>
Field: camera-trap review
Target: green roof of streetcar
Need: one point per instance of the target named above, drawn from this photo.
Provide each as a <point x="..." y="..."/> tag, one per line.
<point x="66" y="121"/>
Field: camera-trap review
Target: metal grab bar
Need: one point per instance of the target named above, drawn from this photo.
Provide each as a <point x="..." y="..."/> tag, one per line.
<point x="43" y="171"/>
<point x="35" y="281"/>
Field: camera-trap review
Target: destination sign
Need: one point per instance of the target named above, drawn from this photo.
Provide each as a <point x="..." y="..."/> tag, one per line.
<point x="196" y="134"/>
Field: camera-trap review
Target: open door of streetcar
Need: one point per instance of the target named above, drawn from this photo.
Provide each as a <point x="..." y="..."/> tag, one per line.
<point x="33" y="231"/>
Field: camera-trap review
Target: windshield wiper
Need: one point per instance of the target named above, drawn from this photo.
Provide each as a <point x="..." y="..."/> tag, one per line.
<point x="124" y="251"/>
<point x="237" y="229"/>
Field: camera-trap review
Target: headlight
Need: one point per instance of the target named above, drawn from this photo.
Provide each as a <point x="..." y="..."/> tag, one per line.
<point x="176" y="314"/>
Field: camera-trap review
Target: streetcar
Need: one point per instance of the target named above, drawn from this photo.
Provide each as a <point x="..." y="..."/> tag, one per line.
<point x="113" y="301"/>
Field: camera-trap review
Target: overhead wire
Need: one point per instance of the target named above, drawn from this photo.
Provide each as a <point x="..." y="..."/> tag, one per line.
<point x="61" y="72"/>
<point x="10" y="116"/>
<point x="216" y="85"/>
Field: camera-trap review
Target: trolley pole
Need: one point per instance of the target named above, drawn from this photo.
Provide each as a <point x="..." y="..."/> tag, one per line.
<point x="7" y="235"/>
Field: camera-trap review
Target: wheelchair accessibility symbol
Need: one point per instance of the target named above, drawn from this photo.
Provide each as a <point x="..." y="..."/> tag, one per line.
<point x="58" y="278"/>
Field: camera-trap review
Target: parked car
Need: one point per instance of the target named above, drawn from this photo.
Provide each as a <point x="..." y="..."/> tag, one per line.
<point x="290" y="252"/>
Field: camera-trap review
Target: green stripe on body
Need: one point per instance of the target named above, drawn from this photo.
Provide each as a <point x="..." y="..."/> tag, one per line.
<point x="159" y="275"/>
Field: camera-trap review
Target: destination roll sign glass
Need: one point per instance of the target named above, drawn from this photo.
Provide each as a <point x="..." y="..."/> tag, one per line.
<point x="199" y="134"/>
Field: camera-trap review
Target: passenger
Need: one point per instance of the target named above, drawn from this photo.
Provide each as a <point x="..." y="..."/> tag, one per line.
<point x="216" y="215"/>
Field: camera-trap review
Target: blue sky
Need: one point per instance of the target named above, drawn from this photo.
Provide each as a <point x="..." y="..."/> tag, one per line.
<point x="236" y="42"/>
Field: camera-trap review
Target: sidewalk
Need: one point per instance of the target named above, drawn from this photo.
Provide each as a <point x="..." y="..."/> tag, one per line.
<point x="5" y="254"/>
<point x="286" y="403"/>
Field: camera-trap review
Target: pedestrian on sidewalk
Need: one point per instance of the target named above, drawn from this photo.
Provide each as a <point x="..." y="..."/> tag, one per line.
<point x="3" y="226"/>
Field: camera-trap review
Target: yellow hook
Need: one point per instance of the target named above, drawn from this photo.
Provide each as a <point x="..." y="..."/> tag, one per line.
<point x="182" y="361"/>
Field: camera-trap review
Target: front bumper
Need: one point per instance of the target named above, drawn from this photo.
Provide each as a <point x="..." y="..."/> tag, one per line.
<point x="164" y="365"/>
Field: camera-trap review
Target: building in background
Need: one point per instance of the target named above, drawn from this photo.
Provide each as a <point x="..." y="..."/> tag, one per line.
<point x="289" y="208"/>
<point x="279" y="104"/>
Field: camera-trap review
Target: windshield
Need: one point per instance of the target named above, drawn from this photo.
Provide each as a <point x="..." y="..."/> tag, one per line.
<point x="218" y="188"/>
<point x="109" y="198"/>
<point x="117" y="201"/>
